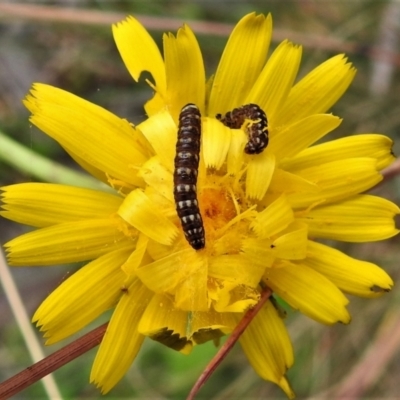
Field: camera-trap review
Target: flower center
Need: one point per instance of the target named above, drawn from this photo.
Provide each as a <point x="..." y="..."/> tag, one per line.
<point x="218" y="209"/>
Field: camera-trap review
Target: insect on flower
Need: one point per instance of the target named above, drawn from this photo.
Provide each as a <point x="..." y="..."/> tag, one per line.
<point x="185" y="175"/>
<point x="257" y="130"/>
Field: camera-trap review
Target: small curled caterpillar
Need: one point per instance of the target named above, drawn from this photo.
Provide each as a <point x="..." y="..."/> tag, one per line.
<point x="186" y="166"/>
<point x="257" y="131"/>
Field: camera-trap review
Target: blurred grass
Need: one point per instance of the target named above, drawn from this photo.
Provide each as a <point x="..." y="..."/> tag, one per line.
<point x="82" y="59"/>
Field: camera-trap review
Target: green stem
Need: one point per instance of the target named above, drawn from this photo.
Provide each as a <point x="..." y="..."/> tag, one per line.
<point x="31" y="163"/>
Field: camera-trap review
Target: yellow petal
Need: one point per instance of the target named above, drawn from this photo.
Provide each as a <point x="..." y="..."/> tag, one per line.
<point x="276" y="79"/>
<point x="157" y="250"/>
<point x="259" y="251"/>
<point x="236" y="268"/>
<point x="362" y="218"/>
<point x="309" y="292"/>
<point x="359" y="278"/>
<point x="260" y="170"/>
<point x="140" y="212"/>
<point x="44" y="204"/>
<point x="82" y="298"/>
<point x="241" y="63"/>
<point x="290" y="140"/>
<point x="215" y="142"/>
<point x="211" y="325"/>
<point x="317" y="91"/>
<point x="191" y="293"/>
<point x="66" y="243"/>
<point x="366" y="145"/>
<point x="135" y="258"/>
<point x="158" y="177"/>
<point x="166" y="273"/>
<point x="181" y="330"/>
<point x="161" y="132"/>
<point x="273" y="219"/>
<point x="286" y="182"/>
<point x="97" y="173"/>
<point x="268" y="348"/>
<point x="105" y="141"/>
<point x="167" y="207"/>
<point x="140" y="53"/>
<point x="234" y="299"/>
<point x="337" y="180"/>
<point x="236" y="154"/>
<point x="166" y="324"/>
<point x="185" y="71"/>
<point x="122" y="340"/>
<point x="291" y="245"/>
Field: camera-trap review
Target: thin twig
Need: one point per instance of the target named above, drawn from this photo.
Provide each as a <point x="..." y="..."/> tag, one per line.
<point x="51" y="363"/>
<point x="375" y="361"/>
<point x="383" y="70"/>
<point x="226" y="348"/>
<point x="92" y="17"/>
<point x="26" y="328"/>
<point x="391" y="171"/>
<point x="9" y="11"/>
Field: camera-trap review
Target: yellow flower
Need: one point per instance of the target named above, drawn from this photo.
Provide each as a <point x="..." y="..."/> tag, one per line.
<point x="262" y="213"/>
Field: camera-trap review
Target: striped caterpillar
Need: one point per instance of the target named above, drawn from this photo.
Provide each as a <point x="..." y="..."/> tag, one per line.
<point x="257" y="131"/>
<point x="186" y="166"/>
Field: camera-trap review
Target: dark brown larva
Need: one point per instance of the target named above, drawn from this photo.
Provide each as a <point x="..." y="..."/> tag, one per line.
<point x="257" y="132"/>
<point x="185" y="175"/>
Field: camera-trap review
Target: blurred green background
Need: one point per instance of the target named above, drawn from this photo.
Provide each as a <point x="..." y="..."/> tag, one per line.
<point x="68" y="43"/>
